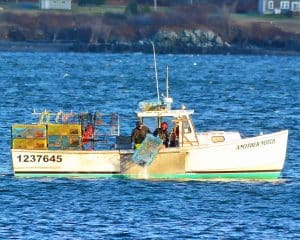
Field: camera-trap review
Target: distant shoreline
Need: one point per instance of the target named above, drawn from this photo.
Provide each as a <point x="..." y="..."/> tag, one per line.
<point x="28" y="46"/>
<point x="71" y="46"/>
<point x="191" y="30"/>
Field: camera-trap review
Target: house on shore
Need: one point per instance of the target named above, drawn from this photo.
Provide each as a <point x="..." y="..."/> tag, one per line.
<point x="55" y="4"/>
<point x="279" y="6"/>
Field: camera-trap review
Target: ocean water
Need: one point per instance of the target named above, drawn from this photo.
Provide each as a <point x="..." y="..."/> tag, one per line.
<point x="250" y="94"/>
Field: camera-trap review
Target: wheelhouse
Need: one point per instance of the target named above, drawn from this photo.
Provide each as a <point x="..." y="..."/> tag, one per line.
<point x="181" y="126"/>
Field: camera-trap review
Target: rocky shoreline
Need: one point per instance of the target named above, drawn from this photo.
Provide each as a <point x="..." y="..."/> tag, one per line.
<point x="119" y="48"/>
<point x="166" y="42"/>
<point x="180" y="31"/>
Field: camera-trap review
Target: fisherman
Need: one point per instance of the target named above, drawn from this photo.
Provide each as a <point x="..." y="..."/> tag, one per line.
<point x="87" y="133"/>
<point x="174" y="136"/>
<point x="163" y="134"/>
<point x="139" y="134"/>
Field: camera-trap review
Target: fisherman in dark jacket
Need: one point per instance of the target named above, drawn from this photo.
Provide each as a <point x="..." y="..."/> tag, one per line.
<point x="139" y="134"/>
<point x="163" y="134"/>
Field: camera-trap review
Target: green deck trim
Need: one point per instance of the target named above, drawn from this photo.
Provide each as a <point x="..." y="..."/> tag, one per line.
<point x="244" y="175"/>
<point x="69" y="175"/>
<point x="184" y="176"/>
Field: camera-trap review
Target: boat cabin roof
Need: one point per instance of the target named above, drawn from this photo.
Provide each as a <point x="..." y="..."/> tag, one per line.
<point x="161" y="109"/>
<point x="164" y="113"/>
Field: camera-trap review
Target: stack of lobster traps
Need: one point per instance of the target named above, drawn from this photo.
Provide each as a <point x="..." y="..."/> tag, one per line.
<point x="67" y="131"/>
<point x="29" y="136"/>
<point x="64" y="136"/>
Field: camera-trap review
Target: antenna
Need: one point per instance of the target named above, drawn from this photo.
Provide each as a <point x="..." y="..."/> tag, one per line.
<point x="167" y="100"/>
<point x="156" y="78"/>
<point x="167" y="82"/>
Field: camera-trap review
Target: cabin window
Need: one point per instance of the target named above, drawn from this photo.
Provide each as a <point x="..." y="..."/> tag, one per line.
<point x="186" y="127"/>
<point x="217" y="139"/>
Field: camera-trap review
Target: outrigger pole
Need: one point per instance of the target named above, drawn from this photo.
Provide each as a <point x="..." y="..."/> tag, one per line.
<point x="155" y="68"/>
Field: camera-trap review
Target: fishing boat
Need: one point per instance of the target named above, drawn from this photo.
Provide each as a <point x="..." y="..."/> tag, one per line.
<point x="90" y="145"/>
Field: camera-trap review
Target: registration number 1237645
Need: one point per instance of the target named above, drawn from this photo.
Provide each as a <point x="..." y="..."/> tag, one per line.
<point x="40" y="158"/>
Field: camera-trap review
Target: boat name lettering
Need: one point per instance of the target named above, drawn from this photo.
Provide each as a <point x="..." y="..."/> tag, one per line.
<point x="255" y="144"/>
<point x="39" y="158"/>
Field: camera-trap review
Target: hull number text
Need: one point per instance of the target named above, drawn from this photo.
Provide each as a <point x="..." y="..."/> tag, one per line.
<point x="39" y="158"/>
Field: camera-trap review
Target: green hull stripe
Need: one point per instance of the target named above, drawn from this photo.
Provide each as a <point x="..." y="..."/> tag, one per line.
<point x="188" y="176"/>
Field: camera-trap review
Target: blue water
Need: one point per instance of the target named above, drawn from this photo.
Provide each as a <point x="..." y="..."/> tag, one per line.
<point x="250" y="94"/>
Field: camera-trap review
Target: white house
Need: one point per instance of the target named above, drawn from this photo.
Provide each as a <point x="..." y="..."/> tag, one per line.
<point x="278" y="6"/>
<point x="55" y="4"/>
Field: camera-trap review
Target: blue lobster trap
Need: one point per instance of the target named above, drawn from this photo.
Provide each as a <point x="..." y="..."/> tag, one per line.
<point x="147" y="151"/>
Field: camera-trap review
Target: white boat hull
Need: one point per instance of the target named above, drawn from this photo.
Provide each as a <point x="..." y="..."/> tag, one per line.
<point x="257" y="157"/>
<point x="266" y="152"/>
